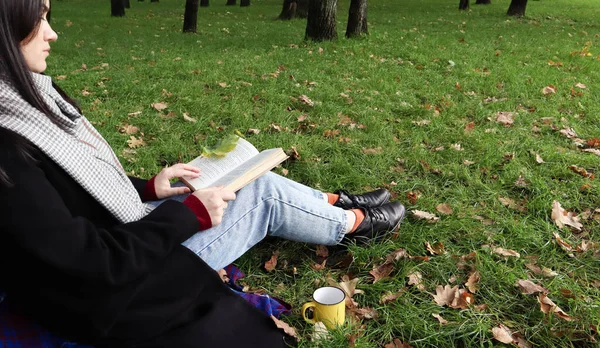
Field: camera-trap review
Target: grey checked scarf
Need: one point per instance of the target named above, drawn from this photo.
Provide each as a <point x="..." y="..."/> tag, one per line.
<point x="72" y="142"/>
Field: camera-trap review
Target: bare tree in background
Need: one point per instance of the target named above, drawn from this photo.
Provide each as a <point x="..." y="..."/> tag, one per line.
<point x="463" y="5"/>
<point x="483" y="2"/>
<point x="357" y="19"/>
<point x="203" y="3"/>
<point x="126" y="4"/>
<point x="190" y="16"/>
<point x="230" y="3"/>
<point x="244" y="3"/>
<point x="321" y="20"/>
<point x="517" y="8"/>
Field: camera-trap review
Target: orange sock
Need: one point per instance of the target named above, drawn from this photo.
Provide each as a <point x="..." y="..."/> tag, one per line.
<point x="360" y="216"/>
<point x="332" y="198"/>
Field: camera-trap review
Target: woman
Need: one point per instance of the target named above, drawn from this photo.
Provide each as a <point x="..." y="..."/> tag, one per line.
<point x="85" y="254"/>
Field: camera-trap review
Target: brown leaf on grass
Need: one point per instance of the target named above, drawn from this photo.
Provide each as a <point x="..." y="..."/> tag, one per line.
<point x="423" y="215"/>
<point x="128" y="129"/>
<point x="320" y="332"/>
<point x="397" y="255"/>
<point x="469" y="127"/>
<point x="290" y="330"/>
<point x="253" y="131"/>
<point x="581" y="171"/>
<point x="543" y="271"/>
<point x="391" y="296"/>
<point x="381" y="271"/>
<point x="506" y="252"/>
<point x="302" y="117"/>
<point x="529" y="288"/>
<point x="444" y="295"/>
<point x="306" y="100"/>
<point x="372" y="151"/>
<point x="348" y="285"/>
<point x="580" y="85"/>
<point x="550" y="89"/>
<point x="568" y="132"/>
<point x="547" y="306"/>
<point x="397" y="343"/>
<point x="594" y="151"/>
<point x="412" y="196"/>
<point x="564" y="245"/>
<point x="510" y="203"/>
<point x="416" y="279"/>
<point x="421" y="123"/>
<point x="456" y="147"/>
<point x="435" y="249"/>
<point x="538" y="158"/>
<point x="188" y="118"/>
<point x="159" y="106"/>
<point x="473" y="281"/>
<point x="365" y="313"/>
<point x="322" y="251"/>
<point x="520" y="182"/>
<point x="134" y="142"/>
<point x="169" y="115"/>
<point x="562" y="217"/>
<point x="505" y="118"/>
<point x="272" y="262"/>
<point x="594" y="142"/>
<point x="444" y="209"/>
<point x="503" y="334"/>
<point x="60" y="77"/>
<point x="319" y="266"/>
<point x="440" y="319"/>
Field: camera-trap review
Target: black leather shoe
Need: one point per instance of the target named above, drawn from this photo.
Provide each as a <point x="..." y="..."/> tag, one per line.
<point x="378" y="221"/>
<point x="370" y="199"/>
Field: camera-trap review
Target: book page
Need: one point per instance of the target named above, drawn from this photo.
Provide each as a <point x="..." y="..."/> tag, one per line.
<point x="245" y="167"/>
<point x="214" y="168"/>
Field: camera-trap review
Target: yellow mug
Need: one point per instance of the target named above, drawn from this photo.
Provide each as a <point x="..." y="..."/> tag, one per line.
<point x="329" y="307"/>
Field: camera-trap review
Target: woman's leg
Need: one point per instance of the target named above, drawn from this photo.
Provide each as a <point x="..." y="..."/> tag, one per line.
<point x="271" y="205"/>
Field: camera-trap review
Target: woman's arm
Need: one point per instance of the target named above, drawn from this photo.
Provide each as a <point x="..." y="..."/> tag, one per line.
<point x="36" y="219"/>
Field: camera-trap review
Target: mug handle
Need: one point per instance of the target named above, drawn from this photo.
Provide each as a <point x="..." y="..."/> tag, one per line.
<point x="304" y="308"/>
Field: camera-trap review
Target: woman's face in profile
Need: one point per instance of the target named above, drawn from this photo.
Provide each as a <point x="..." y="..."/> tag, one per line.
<point x="36" y="47"/>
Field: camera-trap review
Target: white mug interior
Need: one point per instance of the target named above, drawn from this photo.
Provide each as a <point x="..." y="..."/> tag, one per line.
<point x="329" y="295"/>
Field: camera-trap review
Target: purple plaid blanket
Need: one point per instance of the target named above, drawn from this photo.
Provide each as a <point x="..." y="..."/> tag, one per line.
<point x="17" y="331"/>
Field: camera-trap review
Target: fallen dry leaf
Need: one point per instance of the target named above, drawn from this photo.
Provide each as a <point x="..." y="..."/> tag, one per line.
<point x="134" y="114"/>
<point x="381" y="271"/>
<point x="444" y="295"/>
<point x="561" y="217"/>
<point x="456" y="147"/>
<point x="539" y="158"/>
<point x="422" y="122"/>
<point x="253" y="131"/>
<point x="506" y="252"/>
<point x="543" y="271"/>
<point x="322" y="251"/>
<point x="594" y="151"/>
<point x="160" y="106"/>
<point x="473" y="281"/>
<point x="134" y="142"/>
<point x="505" y="118"/>
<point x="372" y="151"/>
<point x="390" y="296"/>
<point x="548" y="306"/>
<point x="520" y="182"/>
<point x="435" y="249"/>
<point x="469" y="127"/>
<point x="580" y="85"/>
<point x="188" y="118"/>
<point x="365" y="313"/>
<point x="529" y="288"/>
<point x="348" y="285"/>
<point x="423" y="215"/>
<point x="272" y="263"/>
<point x="581" y="171"/>
<point x="397" y="255"/>
<point x="568" y="132"/>
<point x="306" y="100"/>
<point x="550" y="89"/>
<point x="413" y="196"/>
<point x="439" y="317"/>
<point x="444" y="208"/>
<point x="502" y="334"/>
<point x="129" y="129"/>
<point x="290" y="330"/>
<point x="416" y="279"/>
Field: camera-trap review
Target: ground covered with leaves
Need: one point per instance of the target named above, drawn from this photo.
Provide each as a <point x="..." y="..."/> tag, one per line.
<point x="485" y="127"/>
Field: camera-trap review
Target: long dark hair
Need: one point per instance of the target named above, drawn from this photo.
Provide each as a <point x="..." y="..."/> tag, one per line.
<point x="19" y="22"/>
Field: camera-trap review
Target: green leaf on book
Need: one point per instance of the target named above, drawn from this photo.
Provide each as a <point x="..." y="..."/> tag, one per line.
<point x="224" y="146"/>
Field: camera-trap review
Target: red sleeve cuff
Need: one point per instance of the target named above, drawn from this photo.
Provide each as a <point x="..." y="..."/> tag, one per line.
<point x="150" y="191"/>
<point x="200" y="210"/>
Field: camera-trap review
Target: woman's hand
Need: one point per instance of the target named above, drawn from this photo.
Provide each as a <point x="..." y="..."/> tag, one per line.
<point x="162" y="181"/>
<point x="215" y="201"/>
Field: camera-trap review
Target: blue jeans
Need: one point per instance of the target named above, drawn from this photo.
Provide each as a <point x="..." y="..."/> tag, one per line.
<point x="271" y="205"/>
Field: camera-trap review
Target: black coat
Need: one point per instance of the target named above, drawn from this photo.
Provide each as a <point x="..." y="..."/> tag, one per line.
<point x="71" y="266"/>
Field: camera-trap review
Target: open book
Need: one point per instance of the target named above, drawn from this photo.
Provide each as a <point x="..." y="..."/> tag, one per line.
<point x="237" y="169"/>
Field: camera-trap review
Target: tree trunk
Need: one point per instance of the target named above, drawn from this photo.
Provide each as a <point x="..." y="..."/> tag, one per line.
<point x="301" y="8"/>
<point x="357" y="19"/>
<point x="116" y="8"/>
<point x="483" y="2"/>
<point x="153" y="0"/>
<point x="203" y="3"/>
<point x="463" y="5"/>
<point x="244" y="3"/>
<point x="289" y="10"/>
<point x="321" y="20"/>
<point x="230" y="3"/>
<point x="126" y="4"/>
<point x="190" y="17"/>
<point x="517" y="8"/>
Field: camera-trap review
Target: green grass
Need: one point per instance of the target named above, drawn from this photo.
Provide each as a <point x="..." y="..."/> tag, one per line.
<point x="400" y="73"/>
